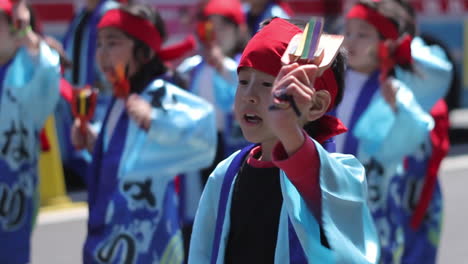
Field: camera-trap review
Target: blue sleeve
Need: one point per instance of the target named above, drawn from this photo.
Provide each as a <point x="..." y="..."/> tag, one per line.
<point x="185" y="126"/>
<point x="39" y="77"/>
<point x="432" y="76"/>
<point x="389" y="136"/>
<point x="346" y="218"/>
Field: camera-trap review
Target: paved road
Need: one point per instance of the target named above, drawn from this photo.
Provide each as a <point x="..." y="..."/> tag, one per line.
<point x="59" y="235"/>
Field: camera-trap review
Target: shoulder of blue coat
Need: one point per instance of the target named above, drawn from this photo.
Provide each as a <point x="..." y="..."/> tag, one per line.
<point x="220" y="171"/>
<point x="189" y="64"/>
<point x="177" y="93"/>
<point x="342" y="174"/>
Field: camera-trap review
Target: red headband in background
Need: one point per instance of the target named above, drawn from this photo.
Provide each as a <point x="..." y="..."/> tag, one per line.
<point x="146" y="32"/>
<point x="384" y="25"/>
<point x="134" y="26"/>
<point x="231" y="9"/>
<point x="7" y="7"/>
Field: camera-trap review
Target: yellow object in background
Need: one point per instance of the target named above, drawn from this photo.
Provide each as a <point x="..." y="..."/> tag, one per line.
<point x="51" y="178"/>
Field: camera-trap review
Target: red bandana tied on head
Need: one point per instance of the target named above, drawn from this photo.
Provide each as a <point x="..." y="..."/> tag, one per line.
<point x="7" y="7"/>
<point x="384" y="25"/>
<point x="264" y="52"/>
<point x="231" y="9"/>
<point x="146" y="32"/>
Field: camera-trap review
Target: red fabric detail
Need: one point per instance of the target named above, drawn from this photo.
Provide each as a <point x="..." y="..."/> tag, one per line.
<point x="231" y="9"/>
<point x="303" y="170"/>
<point x="205" y="32"/>
<point x="177" y="183"/>
<point x="330" y="126"/>
<point x="391" y="56"/>
<point x="66" y="90"/>
<point x="264" y="50"/>
<point x="54" y="12"/>
<point x="440" y="142"/>
<point x="44" y="140"/>
<point x="384" y="25"/>
<point x="177" y="50"/>
<point x="255" y="162"/>
<point x="136" y="27"/>
<point x="6" y="6"/>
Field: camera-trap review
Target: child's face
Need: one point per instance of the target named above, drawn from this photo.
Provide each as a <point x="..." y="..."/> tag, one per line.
<point x="361" y="41"/>
<point x="225" y="33"/>
<point x="114" y="48"/>
<point x="253" y="97"/>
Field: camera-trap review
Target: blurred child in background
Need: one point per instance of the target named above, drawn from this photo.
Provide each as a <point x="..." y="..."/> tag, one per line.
<point x="29" y="79"/>
<point x="386" y="121"/>
<point x="152" y="132"/>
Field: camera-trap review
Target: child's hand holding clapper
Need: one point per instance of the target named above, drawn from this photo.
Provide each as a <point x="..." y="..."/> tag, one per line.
<point x="310" y="47"/>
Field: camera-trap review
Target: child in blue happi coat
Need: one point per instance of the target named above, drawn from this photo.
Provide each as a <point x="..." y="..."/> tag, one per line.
<point x="29" y="81"/>
<point x="153" y="131"/>
<point x="385" y="115"/>
<point x="422" y="195"/>
<point x="286" y="199"/>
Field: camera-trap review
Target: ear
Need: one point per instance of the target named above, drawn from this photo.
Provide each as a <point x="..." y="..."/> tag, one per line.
<point x="319" y="106"/>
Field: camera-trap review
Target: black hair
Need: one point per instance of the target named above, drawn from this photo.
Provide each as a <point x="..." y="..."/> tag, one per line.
<point x="338" y="67"/>
<point x="151" y="66"/>
<point x="409" y="20"/>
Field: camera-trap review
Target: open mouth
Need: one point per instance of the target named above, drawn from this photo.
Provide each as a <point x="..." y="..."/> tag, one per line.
<point x="252" y="119"/>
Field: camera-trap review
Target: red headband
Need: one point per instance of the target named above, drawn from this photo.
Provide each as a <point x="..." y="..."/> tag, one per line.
<point x="384" y="25"/>
<point x="231" y="9"/>
<point x="7" y="7"/>
<point x="265" y="49"/>
<point x="146" y="32"/>
<point x="134" y="26"/>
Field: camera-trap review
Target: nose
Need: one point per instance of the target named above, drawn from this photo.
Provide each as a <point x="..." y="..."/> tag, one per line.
<point x="250" y="94"/>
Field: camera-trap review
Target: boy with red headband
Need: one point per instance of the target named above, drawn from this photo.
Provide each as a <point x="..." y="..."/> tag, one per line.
<point x="29" y="79"/>
<point x="385" y="120"/>
<point x="286" y="199"/>
<point x="153" y="131"/>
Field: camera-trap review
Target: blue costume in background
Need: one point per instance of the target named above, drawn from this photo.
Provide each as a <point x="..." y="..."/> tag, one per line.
<point x="271" y="10"/>
<point x="346" y="219"/>
<point x="220" y="92"/>
<point x="133" y="200"/>
<point x="381" y="139"/>
<point x="429" y="83"/>
<point x="29" y="92"/>
<point x="82" y="32"/>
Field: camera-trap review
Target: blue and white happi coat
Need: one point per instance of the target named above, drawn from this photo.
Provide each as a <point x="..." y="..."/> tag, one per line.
<point x="381" y="138"/>
<point x="346" y="219"/>
<point x="29" y="92"/>
<point x="133" y="201"/>
<point x="429" y="82"/>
